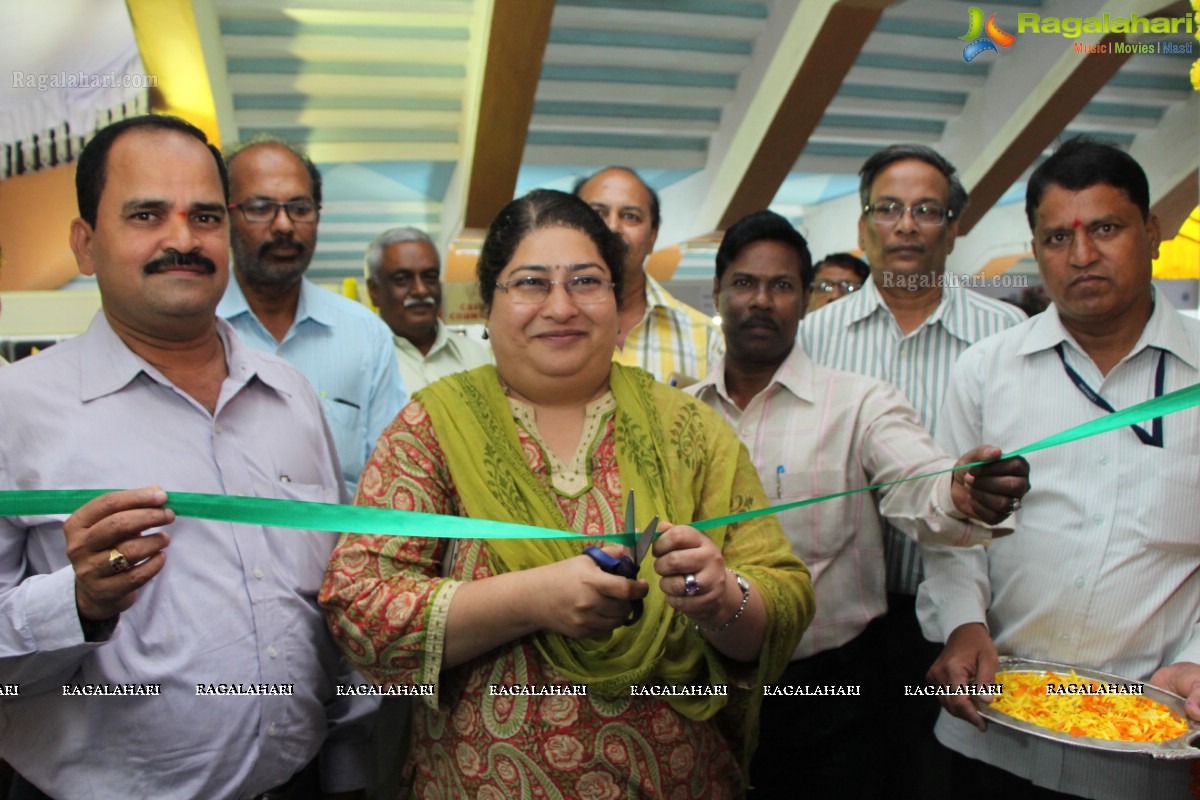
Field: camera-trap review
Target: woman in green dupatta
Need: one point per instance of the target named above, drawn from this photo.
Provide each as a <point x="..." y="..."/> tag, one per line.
<point x="536" y="682"/>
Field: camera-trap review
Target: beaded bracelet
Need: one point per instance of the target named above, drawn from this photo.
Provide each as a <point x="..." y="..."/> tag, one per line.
<point x="744" y="585"/>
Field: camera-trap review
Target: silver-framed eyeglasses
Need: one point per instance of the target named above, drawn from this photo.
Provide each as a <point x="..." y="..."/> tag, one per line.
<point x="532" y="289"/>
<point x="827" y="287"/>
<point x="891" y="212"/>
<point x="301" y="212"/>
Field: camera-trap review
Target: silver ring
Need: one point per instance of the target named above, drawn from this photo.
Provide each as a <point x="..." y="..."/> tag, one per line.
<point x="1014" y="504"/>
<point x="690" y="585"/>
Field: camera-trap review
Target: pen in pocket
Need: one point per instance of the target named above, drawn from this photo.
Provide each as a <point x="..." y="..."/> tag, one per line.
<point x="779" y="481"/>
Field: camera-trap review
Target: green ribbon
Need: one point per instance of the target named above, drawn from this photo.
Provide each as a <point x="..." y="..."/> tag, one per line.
<point x="1157" y="407"/>
<point x="356" y="519"/>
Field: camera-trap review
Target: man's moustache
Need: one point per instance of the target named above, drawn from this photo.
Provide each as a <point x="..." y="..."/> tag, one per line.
<point x="766" y="322"/>
<point x="419" y="301"/>
<point x="173" y="260"/>
<point x="270" y="246"/>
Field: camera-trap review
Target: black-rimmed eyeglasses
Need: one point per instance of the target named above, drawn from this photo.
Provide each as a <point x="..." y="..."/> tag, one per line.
<point x="300" y="212"/>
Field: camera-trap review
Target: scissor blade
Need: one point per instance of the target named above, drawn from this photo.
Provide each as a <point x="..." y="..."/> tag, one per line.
<point x="630" y="520"/>
<point x="644" y="542"/>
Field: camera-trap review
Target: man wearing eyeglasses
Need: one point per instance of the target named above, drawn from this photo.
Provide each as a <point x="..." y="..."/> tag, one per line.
<point x="907" y="327"/>
<point x="837" y="275"/>
<point x="343" y="349"/>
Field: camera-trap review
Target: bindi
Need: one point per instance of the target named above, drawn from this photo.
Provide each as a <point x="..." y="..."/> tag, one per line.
<point x="1077" y="224"/>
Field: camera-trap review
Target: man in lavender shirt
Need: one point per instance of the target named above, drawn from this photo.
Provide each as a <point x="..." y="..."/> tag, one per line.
<point x="144" y="655"/>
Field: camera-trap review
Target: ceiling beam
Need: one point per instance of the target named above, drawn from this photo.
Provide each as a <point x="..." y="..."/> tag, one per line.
<point x="842" y="35"/>
<point x="515" y="48"/>
<point x="1171" y="160"/>
<point x="798" y="63"/>
<point x="1034" y="92"/>
<point x="171" y="50"/>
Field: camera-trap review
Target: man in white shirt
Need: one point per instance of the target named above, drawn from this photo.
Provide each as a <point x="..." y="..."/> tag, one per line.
<point x="1102" y="573"/>
<point x="404" y="281"/>
<point x="812" y="431"/>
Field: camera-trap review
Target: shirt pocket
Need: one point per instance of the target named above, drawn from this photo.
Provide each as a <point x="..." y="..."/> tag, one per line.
<point x="348" y="428"/>
<point x="302" y="553"/>
<point x="1169" y="517"/>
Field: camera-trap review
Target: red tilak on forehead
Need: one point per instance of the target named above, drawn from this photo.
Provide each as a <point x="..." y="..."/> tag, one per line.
<point x="1077" y="224"/>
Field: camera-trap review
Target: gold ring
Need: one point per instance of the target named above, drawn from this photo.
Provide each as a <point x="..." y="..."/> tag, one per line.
<point x="117" y="561"/>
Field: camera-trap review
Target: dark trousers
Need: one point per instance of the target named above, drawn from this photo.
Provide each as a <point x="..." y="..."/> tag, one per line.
<point x="823" y="746"/>
<point x="916" y="763"/>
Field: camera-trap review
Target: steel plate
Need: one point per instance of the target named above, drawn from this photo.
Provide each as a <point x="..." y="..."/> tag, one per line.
<point x="1181" y="747"/>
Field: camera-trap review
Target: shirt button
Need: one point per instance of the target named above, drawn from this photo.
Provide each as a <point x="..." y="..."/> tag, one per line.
<point x="1066" y="637"/>
<point x="271" y="729"/>
<point x="1079" y="583"/>
<point x="272" y="652"/>
<point x="258" y="573"/>
<point x="1103" y="459"/>
<point x="216" y="427"/>
<point x="1098" y="519"/>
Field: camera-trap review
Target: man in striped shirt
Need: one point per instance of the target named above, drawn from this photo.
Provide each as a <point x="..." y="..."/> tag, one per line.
<point x="906" y="326"/>
<point x="670" y="339"/>
<point x="814" y="431"/>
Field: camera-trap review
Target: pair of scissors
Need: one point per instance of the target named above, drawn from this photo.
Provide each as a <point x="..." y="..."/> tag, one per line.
<point x="625" y="566"/>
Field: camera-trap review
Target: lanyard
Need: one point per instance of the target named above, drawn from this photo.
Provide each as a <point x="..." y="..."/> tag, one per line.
<point x="1155" y="438"/>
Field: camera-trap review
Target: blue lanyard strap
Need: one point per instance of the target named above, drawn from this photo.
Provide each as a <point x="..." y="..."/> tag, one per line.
<point x="1155" y="437"/>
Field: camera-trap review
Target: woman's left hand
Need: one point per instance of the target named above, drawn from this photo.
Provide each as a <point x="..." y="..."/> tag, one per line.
<point x="693" y="574"/>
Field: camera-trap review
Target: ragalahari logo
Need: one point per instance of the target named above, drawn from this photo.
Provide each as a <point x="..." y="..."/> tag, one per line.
<point x="993" y="35"/>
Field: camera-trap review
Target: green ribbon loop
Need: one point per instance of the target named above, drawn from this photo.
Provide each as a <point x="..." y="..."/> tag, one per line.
<point x="379" y="521"/>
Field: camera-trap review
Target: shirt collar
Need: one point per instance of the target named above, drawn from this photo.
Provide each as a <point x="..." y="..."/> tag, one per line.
<point x="1164" y="330"/>
<point x="795" y="374"/>
<point x="441" y="339"/>
<point x="656" y="295"/>
<point x="952" y="311"/>
<point x="313" y="303"/>
<point x="108" y="365"/>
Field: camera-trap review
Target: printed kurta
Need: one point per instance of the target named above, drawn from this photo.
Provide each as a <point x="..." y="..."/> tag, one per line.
<point x="387" y="601"/>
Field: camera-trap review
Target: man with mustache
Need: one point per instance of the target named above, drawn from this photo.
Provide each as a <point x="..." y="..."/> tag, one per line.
<point x="119" y="621"/>
<point x="1103" y="573"/>
<point x="340" y="346"/>
<point x="404" y="281"/>
<point x="812" y="431"/>
<point x="907" y="327"/>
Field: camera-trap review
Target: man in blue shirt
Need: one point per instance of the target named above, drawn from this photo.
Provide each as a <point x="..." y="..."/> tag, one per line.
<point x="343" y="349"/>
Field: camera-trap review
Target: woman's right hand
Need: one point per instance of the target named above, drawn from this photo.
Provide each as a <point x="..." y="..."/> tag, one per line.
<point x="574" y="598"/>
<point x="581" y="601"/>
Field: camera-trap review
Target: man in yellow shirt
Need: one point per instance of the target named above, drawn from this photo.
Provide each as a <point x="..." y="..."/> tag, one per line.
<point x="668" y="338"/>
